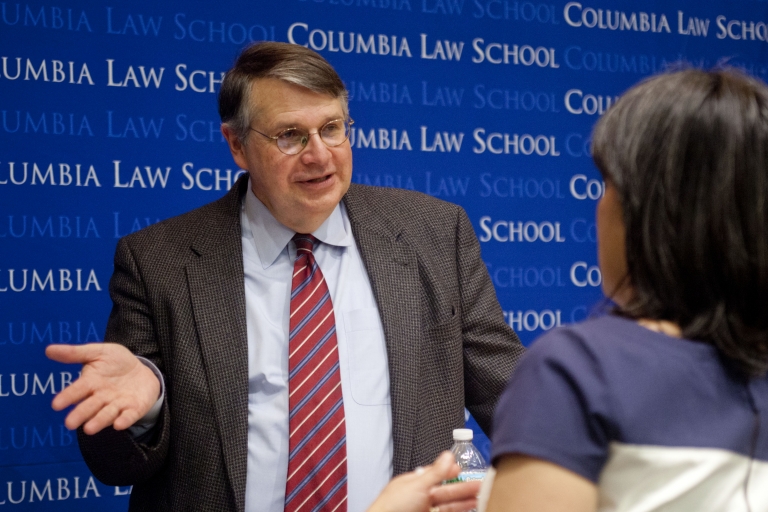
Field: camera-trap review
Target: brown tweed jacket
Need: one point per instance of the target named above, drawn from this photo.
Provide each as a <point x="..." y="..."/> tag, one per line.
<point x="179" y="300"/>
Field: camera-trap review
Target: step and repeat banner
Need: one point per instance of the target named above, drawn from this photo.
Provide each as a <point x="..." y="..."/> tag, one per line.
<point x="109" y="124"/>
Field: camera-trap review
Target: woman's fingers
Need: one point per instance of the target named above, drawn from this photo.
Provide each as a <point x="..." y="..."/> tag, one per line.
<point x="455" y="492"/>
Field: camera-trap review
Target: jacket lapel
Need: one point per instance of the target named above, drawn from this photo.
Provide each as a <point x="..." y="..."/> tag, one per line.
<point x="393" y="271"/>
<point x="217" y="293"/>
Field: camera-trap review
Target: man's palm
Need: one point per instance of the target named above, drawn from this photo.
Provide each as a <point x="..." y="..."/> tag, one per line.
<point x="114" y="388"/>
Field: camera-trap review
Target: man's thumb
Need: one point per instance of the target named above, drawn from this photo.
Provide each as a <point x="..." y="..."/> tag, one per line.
<point x="69" y="354"/>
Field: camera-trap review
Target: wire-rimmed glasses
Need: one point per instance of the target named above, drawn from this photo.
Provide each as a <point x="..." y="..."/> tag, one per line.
<point x="292" y="140"/>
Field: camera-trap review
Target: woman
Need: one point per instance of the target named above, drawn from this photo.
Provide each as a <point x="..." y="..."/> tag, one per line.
<point x="663" y="404"/>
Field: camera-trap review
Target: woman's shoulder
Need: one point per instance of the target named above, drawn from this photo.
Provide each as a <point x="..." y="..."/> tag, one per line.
<point x="610" y="365"/>
<point x="611" y="341"/>
<point x="557" y="405"/>
<point x="581" y="386"/>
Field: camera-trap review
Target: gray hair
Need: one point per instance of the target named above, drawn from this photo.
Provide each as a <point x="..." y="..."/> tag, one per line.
<point x="290" y="63"/>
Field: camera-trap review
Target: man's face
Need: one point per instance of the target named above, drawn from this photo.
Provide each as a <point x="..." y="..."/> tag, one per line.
<point x="300" y="190"/>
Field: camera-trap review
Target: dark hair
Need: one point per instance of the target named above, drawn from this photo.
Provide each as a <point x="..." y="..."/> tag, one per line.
<point x="287" y="62"/>
<point x="688" y="154"/>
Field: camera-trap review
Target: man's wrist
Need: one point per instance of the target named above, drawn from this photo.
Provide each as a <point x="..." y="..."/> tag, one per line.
<point x="148" y="421"/>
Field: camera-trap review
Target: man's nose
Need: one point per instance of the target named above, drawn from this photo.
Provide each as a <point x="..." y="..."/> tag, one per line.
<point x="315" y="151"/>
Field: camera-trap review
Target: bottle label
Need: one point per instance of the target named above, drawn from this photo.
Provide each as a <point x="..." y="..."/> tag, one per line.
<point x="467" y="476"/>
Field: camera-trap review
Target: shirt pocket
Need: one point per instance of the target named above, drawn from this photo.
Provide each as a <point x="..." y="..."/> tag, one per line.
<point x="368" y="364"/>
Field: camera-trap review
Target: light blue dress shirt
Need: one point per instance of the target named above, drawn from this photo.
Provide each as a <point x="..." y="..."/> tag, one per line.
<point x="268" y="260"/>
<point x="268" y="257"/>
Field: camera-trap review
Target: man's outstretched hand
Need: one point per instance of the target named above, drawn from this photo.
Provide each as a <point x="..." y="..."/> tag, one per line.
<point x="114" y="388"/>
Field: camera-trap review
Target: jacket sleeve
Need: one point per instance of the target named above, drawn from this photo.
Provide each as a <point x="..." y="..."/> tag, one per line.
<point x="116" y="457"/>
<point x="491" y="347"/>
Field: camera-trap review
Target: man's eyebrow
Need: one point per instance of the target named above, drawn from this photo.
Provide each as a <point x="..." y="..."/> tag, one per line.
<point x="279" y="127"/>
<point x="287" y="125"/>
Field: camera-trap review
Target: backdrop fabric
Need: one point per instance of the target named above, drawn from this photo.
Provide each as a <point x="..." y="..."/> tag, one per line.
<point x="109" y="124"/>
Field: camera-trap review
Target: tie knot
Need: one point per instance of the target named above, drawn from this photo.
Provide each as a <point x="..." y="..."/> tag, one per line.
<point x="303" y="243"/>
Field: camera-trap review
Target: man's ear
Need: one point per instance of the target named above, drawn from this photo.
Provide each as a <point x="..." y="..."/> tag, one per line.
<point x="236" y="146"/>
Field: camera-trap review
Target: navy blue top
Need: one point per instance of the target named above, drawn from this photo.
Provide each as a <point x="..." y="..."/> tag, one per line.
<point x="584" y="387"/>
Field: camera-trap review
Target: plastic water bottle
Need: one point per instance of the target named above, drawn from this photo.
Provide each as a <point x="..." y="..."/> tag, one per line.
<point x="468" y="457"/>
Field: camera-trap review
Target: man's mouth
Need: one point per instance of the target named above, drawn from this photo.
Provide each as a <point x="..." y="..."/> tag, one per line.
<point x="318" y="180"/>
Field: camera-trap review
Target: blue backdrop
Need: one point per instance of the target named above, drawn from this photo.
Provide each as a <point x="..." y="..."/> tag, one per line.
<point x="109" y="124"/>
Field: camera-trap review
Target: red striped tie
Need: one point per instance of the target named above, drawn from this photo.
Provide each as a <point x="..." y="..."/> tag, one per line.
<point x="317" y="462"/>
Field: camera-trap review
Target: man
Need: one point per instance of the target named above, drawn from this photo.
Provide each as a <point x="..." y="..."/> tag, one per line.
<point x="310" y="338"/>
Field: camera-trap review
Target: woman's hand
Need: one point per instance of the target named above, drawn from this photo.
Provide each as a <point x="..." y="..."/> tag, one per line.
<point x="421" y="490"/>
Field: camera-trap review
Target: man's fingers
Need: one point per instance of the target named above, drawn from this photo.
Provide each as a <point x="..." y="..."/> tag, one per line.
<point x="72" y="394"/>
<point x="112" y="386"/>
<point x="95" y="413"/>
<point x="85" y="410"/>
<point x="127" y="418"/>
<point x="70" y="354"/>
<point x="104" y="418"/>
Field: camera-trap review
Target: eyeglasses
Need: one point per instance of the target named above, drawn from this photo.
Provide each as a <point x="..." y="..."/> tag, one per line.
<point x="293" y="140"/>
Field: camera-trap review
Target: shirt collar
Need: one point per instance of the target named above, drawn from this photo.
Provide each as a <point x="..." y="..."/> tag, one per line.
<point x="270" y="237"/>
